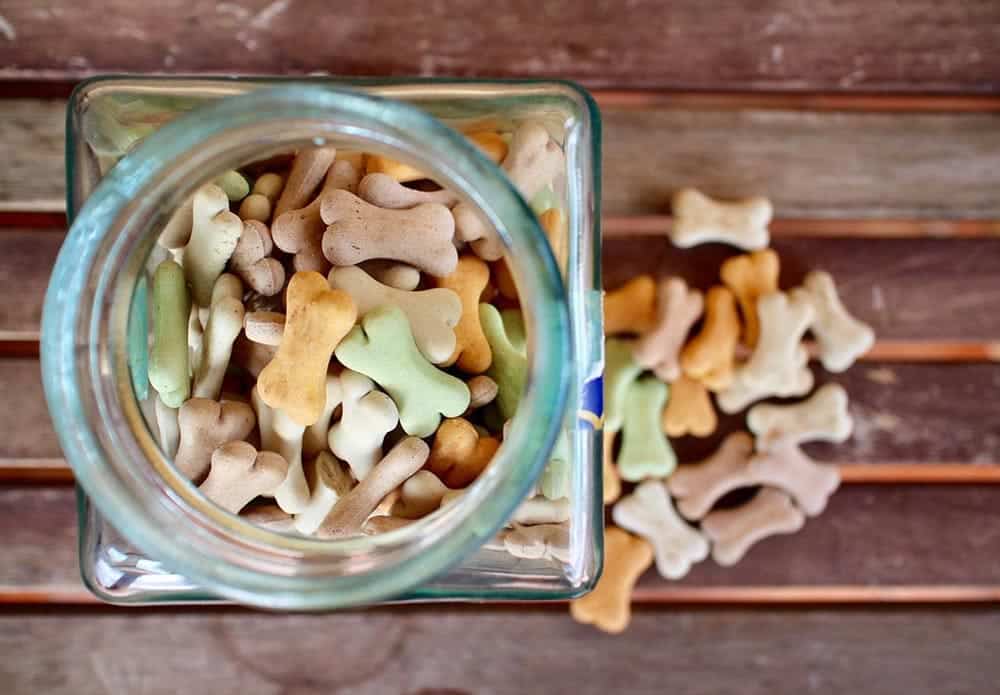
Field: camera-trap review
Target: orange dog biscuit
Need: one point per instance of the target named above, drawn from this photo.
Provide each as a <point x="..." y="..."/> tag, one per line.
<point x="459" y="454"/>
<point x="689" y="410"/>
<point x="472" y="350"/>
<point x="749" y="276"/>
<point x="632" y="307"/>
<point x="710" y="356"/>
<point x="608" y="606"/>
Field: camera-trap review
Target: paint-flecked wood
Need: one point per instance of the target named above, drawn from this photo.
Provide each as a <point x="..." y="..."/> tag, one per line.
<point x="416" y="651"/>
<point x="783" y="44"/>
<point x="832" y="164"/>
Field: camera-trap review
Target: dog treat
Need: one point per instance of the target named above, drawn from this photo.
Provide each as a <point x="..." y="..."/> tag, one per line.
<point x="264" y="327"/>
<point x="503" y="279"/>
<point x="251" y="356"/>
<point x="382" y="348"/>
<point x="689" y="409"/>
<point x="252" y="262"/>
<point x="367" y="416"/>
<point x="316" y="321"/>
<point x="397" y="275"/>
<point x="842" y="338"/>
<point x="204" y="426"/>
<point x="168" y="354"/>
<point x="649" y="513"/>
<point x="734" y="531"/>
<point x="357" y="231"/>
<point x="554" y="483"/>
<point x="513" y="324"/>
<point x="699" y="219"/>
<point x="419" y="496"/>
<point x="459" y="454"/>
<point x="612" y="481"/>
<point x="696" y="487"/>
<point x="822" y="417"/>
<point x="386" y="192"/>
<point x="328" y="480"/>
<point x="556" y="228"/>
<point x="798" y="382"/>
<point x="281" y="434"/>
<point x="225" y="321"/>
<point x="315" y="438"/>
<point x="269" y="516"/>
<point x="784" y="319"/>
<point x="608" y="606"/>
<point x="620" y="370"/>
<point x="215" y="232"/>
<point x="509" y="366"/>
<point x="472" y="352"/>
<point x="541" y="510"/>
<point x="678" y="308"/>
<point x="433" y="314"/>
<point x="750" y="276"/>
<point x="234" y="185"/>
<point x="383" y="523"/>
<point x="168" y="431"/>
<point x="350" y="512"/>
<point x="239" y="474"/>
<point x="177" y="231"/>
<point x="309" y="168"/>
<point x="482" y="391"/>
<point x="710" y="356"/>
<point x="645" y="452"/>
<point x="632" y="307"/>
<point x="539" y="542"/>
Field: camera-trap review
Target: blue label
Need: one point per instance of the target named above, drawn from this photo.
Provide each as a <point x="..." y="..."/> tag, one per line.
<point x="591" y="411"/>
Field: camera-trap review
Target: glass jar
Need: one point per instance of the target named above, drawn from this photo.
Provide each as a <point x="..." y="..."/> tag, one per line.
<point x="146" y="534"/>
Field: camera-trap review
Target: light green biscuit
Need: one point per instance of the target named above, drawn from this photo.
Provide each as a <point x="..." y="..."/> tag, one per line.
<point x="620" y="370"/>
<point x="513" y="324"/>
<point x="168" y="358"/>
<point x="554" y="483"/>
<point x="234" y="184"/>
<point x="510" y="366"/>
<point x="646" y="451"/>
<point x="383" y="349"/>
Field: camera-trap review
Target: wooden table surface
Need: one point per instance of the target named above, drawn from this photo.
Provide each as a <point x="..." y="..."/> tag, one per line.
<point x="873" y="125"/>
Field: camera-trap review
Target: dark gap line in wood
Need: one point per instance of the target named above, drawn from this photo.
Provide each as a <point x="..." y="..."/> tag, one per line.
<point x="42" y="221"/>
<point x="19" y="345"/>
<point x="615" y="226"/>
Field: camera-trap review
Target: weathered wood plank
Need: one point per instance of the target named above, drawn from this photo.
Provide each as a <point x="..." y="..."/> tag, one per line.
<point x="787" y="44"/>
<point x="832" y="164"/>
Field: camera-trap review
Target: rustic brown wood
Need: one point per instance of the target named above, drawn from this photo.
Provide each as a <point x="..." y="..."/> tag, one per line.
<point x="920" y="45"/>
<point x="26" y="260"/>
<point x="613" y="226"/>
<point x="942" y="166"/>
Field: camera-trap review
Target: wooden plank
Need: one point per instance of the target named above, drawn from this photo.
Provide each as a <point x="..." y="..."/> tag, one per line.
<point x="943" y="166"/>
<point x="26" y="260"/>
<point x="917" y="46"/>
<point x="400" y="651"/>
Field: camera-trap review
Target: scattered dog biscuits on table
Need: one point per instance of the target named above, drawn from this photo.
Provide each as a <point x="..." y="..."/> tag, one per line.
<point x="669" y="352"/>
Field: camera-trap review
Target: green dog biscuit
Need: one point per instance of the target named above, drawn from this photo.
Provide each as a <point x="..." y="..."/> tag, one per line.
<point x="620" y="370"/>
<point x="554" y="483"/>
<point x="236" y="187"/>
<point x="382" y="348"/>
<point x="513" y="324"/>
<point x="646" y="451"/>
<point x="510" y="366"/>
<point x="168" y="358"/>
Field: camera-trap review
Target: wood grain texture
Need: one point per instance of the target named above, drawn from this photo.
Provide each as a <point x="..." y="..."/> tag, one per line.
<point x="782" y="44"/>
<point x="703" y="652"/>
<point x="833" y="164"/>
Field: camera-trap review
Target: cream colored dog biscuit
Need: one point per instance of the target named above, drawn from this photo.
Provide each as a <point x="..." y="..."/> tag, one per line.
<point x="252" y="262"/>
<point x="264" y="194"/>
<point x="797" y="382"/>
<point x="540" y="542"/>
<point x="328" y="480"/>
<point x="750" y="276"/>
<point x="358" y="231"/>
<point x="420" y="495"/>
<point x="689" y="410"/>
<point x="225" y="321"/>
<point x="367" y="416"/>
<point x="215" y="232"/>
<point x="699" y="219"/>
<point x="842" y="338"/>
<point x="397" y="275"/>
<point x="282" y="435"/>
<point x="350" y="512"/>
<point x="822" y="417"/>
<point x="264" y="327"/>
<point x="784" y="319"/>
<point x="696" y="487"/>
<point x="711" y="355"/>
<point x="649" y="513"/>
<point x="677" y="310"/>
<point x="308" y="170"/>
<point x="632" y="307"/>
<point x="540" y="510"/>
<point x="386" y="192"/>
<point x="608" y="606"/>
<point x="315" y="438"/>
<point x="734" y="531"/>
<point x="177" y="231"/>
<point x="433" y="314"/>
<point x="204" y="426"/>
<point x="239" y="474"/>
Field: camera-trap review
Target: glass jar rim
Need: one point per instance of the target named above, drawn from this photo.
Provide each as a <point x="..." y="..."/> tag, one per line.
<point x="81" y="348"/>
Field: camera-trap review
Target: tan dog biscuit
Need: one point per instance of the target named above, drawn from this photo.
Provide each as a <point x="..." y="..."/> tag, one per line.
<point x="482" y="391"/>
<point x="309" y="168"/>
<point x="215" y="233"/>
<point x="842" y="338"/>
<point x="328" y="480"/>
<point x="711" y="355"/>
<point x="204" y="426"/>
<point x="420" y="495"/>
<point x="383" y="523"/>
<point x="472" y="352"/>
<point x="699" y="219"/>
<point x="252" y="261"/>
<point x="239" y="474"/>
<point x="677" y="310"/>
<point x="397" y="275"/>
<point x="750" y="276"/>
<point x="251" y="356"/>
<point x="225" y="321"/>
<point x="282" y="435"/>
<point x="632" y="307"/>
<point x="386" y="192"/>
<point x="797" y="382"/>
<point x="539" y="542"/>
<point x="316" y="435"/>
<point x="264" y="327"/>
<point x="784" y="319"/>
<point x="822" y="417"/>
<point x="734" y="531"/>
<point x="689" y="410"/>
<point x="608" y="606"/>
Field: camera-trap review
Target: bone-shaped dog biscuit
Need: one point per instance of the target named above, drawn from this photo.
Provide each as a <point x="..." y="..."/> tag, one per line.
<point x="252" y="262"/>
<point x="696" y="487"/>
<point x="677" y="310"/>
<point x="491" y="144"/>
<point x="316" y="321"/>
<point x="433" y="314"/>
<point x="225" y="321"/>
<point x="269" y="516"/>
<point x="420" y="495"/>
<point x="649" y="513"/>
<point x="382" y="348"/>
<point x="645" y="452"/>
<point x="350" y="512"/>
<point x="472" y="352"/>
<point x="264" y="194"/>
<point x="809" y="483"/>
<point x="358" y="231"/>
<point x="556" y="227"/>
<point x="608" y="606"/>
<point x="264" y="327"/>
<point x="554" y="482"/>
<point x="632" y="307"/>
<point x="541" y="510"/>
<point x="367" y="415"/>
<point x="177" y="231"/>
<point x="842" y="338"/>
<point x="168" y="354"/>
<point x="315" y="438"/>
<point x="328" y="480"/>
<point x="308" y="170"/>
<point x="386" y="192"/>
<point x="699" y="219"/>
<point x="539" y="542"/>
<point x="215" y="232"/>
<point x="397" y="275"/>
<point x="482" y="391"/>
<point x="459" y="454"/>
<point x="711" y="355"/>
<point x="750" y="276"/>
<point x="734" y="531"/>
<point x="509" y="366"/>
<point x="281" y="434"/>
<point x="784" y="319"/>
<point x="383" y="523"/>
<point x="239" y="474"/>
<point x="233" y="184"/>
<point x="251" y="356"/>
<point x="822" y="417"/>
<point x="204" y="426"/>
<point x="620" y="370"/>
<point x="689" y="409"/>
<point x="797" y="381"/>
